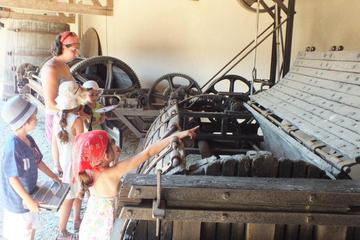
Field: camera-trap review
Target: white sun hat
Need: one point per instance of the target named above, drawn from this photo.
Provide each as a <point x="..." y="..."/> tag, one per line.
<point x="69" y="96"/>
<point x="92" y="85"/>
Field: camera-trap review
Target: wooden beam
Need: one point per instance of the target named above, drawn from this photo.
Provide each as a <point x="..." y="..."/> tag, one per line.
<point x="44" y="5"/>
<point x="144" y="212"/>
<point x="37" y="17"/>
<point x="96" y="3"/>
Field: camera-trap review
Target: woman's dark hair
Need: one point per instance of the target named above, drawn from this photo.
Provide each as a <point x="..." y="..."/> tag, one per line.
<point x="57" y="48"/>
<point x="63" y="135"/>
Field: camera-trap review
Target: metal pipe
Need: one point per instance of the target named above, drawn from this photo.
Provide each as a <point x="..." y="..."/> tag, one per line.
<point x="277" y="37"/>
<point x="255" y="47"/>
<point x="158" y="187"/>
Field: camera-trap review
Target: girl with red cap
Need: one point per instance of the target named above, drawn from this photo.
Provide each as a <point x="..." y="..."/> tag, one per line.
<point x="94" y="153"/>
<point x="55" y="71"/>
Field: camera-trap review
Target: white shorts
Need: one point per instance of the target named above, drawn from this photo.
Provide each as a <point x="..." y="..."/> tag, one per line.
<point x="74" y="191"/>
<point x="19" y="225"/>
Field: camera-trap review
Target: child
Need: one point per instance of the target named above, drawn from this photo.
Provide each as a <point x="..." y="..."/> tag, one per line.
<point x="19" y="170"/>
<point x="94" y="153"/>
<point x="67" y="125"/>
<point x="94" y="121"/>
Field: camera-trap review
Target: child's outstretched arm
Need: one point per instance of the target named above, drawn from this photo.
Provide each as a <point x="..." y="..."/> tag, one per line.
<point x="125" y="166"/>
<point x="25" y="196"/>
<point x="45" y="169"/>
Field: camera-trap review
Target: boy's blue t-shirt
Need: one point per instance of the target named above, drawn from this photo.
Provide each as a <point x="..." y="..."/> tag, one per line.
<point x="18" y="160"/>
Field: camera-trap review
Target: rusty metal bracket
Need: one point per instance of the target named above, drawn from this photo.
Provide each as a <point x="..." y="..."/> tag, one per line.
<point x="157" y="211"/>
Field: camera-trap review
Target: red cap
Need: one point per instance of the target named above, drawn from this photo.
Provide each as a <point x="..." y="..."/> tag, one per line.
<point x="68" y="37"/>
<point x="90" y="149"/>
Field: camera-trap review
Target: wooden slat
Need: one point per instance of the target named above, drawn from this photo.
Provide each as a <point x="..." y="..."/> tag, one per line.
<point x="151" y="230"/>
<point x="342" y="77"/>
<point x="339" y="97"/>
<point x="284" y="171"/>
<point x="331" y="56"/>
<point x="260" y="231"/>
<point x="257" y="217"/>
<point x="229" y="167"/>
<point x="141" y="230"/>
<point x="213" y="169"/>
<point x="186" y="230"/>
<point x="339" y="138"/>
<point x="352" y="67"/>
<point x="330" y="232"/>
<point x="244" y="183"/>
<point x="307" y="127"/>
<point x="238" y="230"/>
<point x="287" y="112"/>
<point x="333" y="106"/>
<point x="340" y="125"/>
<point x="263" y="166"/>
<point x="166" y="230"/>
<point x="336" y="86"/>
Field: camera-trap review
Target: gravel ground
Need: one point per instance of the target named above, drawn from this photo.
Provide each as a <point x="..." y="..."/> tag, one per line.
<point x="48" y="220"/>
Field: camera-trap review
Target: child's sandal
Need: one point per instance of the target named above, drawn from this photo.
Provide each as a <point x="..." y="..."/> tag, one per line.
<point x="65" y="236"/>
<point x="76" y="226"/>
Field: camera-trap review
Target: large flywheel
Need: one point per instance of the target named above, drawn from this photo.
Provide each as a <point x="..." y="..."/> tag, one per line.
<point x="109" y="72"/>
<point x="172" y="86"/>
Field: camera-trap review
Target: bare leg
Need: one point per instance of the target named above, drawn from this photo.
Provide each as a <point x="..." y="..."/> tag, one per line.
<point x="65" y="211"/>
<point x="33" y="234"/>
<point x="77" y="208"/>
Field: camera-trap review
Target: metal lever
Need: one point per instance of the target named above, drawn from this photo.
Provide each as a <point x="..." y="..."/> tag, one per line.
<point x="158" y="213"/>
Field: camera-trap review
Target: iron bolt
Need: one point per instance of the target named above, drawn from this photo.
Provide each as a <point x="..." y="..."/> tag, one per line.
<point x="309" y="219"/>
<point x="224" y="216"/>
<point x="175" y="161"/>
<point x="137" y="191"/>
<point x="311" y="198"/>
<point x="129" y="213"/>
<point x="226" y="195"/>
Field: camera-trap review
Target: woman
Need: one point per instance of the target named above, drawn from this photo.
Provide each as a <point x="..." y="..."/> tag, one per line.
<point x="55" y="71"/>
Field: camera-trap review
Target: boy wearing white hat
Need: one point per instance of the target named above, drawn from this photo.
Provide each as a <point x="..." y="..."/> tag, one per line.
<point x="67" y="125"/>
<point x="19" y="170"/>
<point x="94" y="120"/>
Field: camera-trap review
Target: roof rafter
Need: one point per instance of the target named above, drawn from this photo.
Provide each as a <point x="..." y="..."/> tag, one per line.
<point x="54" y="6"/>
<point x="37" y="17"/>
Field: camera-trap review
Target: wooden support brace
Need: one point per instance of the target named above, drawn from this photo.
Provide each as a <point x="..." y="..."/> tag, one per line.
<point x="71" y="7"/>
<point x="144" y="212"/>
<point x="37" y="17"/>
